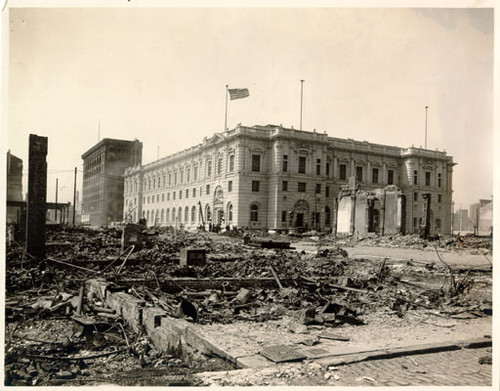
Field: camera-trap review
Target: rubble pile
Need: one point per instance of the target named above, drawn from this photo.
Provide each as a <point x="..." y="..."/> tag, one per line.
<point x="58" y="332"/>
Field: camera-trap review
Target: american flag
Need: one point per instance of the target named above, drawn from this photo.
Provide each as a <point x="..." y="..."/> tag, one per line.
<point x="238" y="93"/>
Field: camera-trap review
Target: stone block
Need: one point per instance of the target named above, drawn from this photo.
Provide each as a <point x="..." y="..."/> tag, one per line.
<point x="193" y="257"/>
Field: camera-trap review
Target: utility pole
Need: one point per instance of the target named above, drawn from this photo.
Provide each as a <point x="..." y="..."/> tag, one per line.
<point x="426" y="107"/>
<point x="74" y="199"/>
<point x="57" y="186"/>
<point x="301" y="100"/>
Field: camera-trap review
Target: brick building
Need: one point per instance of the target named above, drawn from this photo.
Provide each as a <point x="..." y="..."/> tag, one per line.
<point x="14" y="186"/>
<point x="103" y="168"/>
<point x="276" y="178"/>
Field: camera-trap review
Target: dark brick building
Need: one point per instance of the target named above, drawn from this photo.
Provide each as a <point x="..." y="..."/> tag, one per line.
<point x="103" y="168"/>
<point x="14" y="185"/>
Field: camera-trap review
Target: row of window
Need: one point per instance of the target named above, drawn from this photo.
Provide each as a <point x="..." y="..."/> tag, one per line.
<point x="439" y="198"/>
<point x="418" y="222"/>
<point x="427" y="178"/>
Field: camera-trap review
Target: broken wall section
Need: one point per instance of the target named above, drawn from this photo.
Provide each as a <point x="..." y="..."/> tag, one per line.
<point x="381" y="211"/>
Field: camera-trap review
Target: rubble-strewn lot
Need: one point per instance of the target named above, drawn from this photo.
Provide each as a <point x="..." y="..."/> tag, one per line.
<point x="56" y="333"/>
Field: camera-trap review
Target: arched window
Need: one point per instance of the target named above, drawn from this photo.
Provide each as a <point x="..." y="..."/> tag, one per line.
<point x="157" y="216"/>
<point x="193" y="214"/>
<point x="162" y="219"/>
<point x="186" y="214"/>
<point x="147" y="214"/>
<point x="167" y="219"/>
<point x="207" y="213"/>
<point x="229" y="213"/>
<point x="173" y="215"/>
<point x="254" y="212"/>
<point x="179" y="214"/>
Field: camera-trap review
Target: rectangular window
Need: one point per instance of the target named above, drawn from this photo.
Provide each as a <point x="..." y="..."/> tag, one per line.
<point x="439" y="198"/>
<point x="359" y="173"/>
<point x="284" y="186"/>
<point x="390" y="177"/>
<point x="343" y="172"/>
<point x="231" y="163"/>
<point x="157" y="198"/>
<point x="327" y="193"/>
<point x="169" y="179"/>
<point x="168" y="196"/>
<point x="318" y="166"/>
<point x="256" y="163"/>
<point x="415" y="177"/>
<point x="415" y="196"/>
<point x="187" y="193"/>
<point x="255" y="186"/>
<point x="148" y="199"/>
<point x="209" y="168"/>
<point x="208" y="189"/>
<point x="195" y="173"/>
<point x="182" y="176"/>
<point x="194" y="192"/>
<point x="438" y="223"/>
<point x="285" y="163"/>
<point x="327" y="168"/>
<point x="219" y="166"/>
<point x="318" y="188"/>
<point x="375" y="175"/>
<point x="302" y="164"/>
<point x="175" y="179"/>
<point x="439" y="180"/>
<point x="188" y="175"/>
<point x="230" y="186"/>
<point x="301" y="188"/>
<point x="173" y="195"/>
<point x="163" y="197"/>
<point x="427" y="178"/>
<point x="180" y="194"/>
<point x="414" y="222"/>
<point x="283" y="216"/>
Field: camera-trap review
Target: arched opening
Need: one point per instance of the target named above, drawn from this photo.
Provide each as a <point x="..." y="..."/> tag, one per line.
<point x="254" y="213"/>
<point x="193" y="214"/>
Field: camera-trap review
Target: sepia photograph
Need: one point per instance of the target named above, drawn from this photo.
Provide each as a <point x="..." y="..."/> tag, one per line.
<point x="248" y="194"/>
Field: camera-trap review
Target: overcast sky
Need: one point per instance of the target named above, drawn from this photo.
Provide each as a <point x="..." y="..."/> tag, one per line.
<point x="159" y="75"/>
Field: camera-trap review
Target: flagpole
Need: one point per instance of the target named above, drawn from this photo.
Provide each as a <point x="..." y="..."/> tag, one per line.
<point x="225" y="116"/>
<point x="301" y="98"/>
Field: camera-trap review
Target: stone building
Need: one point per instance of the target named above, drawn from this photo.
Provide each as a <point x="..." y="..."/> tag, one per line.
<point x="270" y="177"/>
<point x="103" y="167"/>
<point x="482" y="217"/>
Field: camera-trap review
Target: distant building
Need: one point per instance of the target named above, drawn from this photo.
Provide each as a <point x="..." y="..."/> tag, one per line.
<point x="14" y="186"/>
<point x="270" y="177"/>
<point x="103" y="168"/>
<point x="481" y="215"/>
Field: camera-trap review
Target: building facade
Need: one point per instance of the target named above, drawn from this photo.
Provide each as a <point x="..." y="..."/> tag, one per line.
<point x="270" y="177"/>
<point x="482" y="217"/>
<point x="14" y="186"/>
<point x="103" y="168"/>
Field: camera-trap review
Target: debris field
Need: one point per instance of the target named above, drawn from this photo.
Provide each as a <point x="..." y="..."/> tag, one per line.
<point x="58" y="333"/>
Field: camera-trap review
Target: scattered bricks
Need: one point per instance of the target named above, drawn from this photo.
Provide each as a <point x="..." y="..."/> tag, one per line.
<point x="193" y="257"/>
<point x="129" y="307"/>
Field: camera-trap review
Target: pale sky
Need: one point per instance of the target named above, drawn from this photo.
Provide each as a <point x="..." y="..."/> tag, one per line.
<point x="159" y="75"/>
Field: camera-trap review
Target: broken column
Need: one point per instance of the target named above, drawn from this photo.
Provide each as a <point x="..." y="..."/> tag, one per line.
<point x="37" y="190"/>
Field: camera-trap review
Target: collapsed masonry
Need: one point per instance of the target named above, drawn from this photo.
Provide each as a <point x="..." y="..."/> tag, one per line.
<point x="381" y="211"/>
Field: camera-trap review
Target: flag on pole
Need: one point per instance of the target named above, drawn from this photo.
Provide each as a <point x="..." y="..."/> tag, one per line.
<point x="238" y="93"/>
